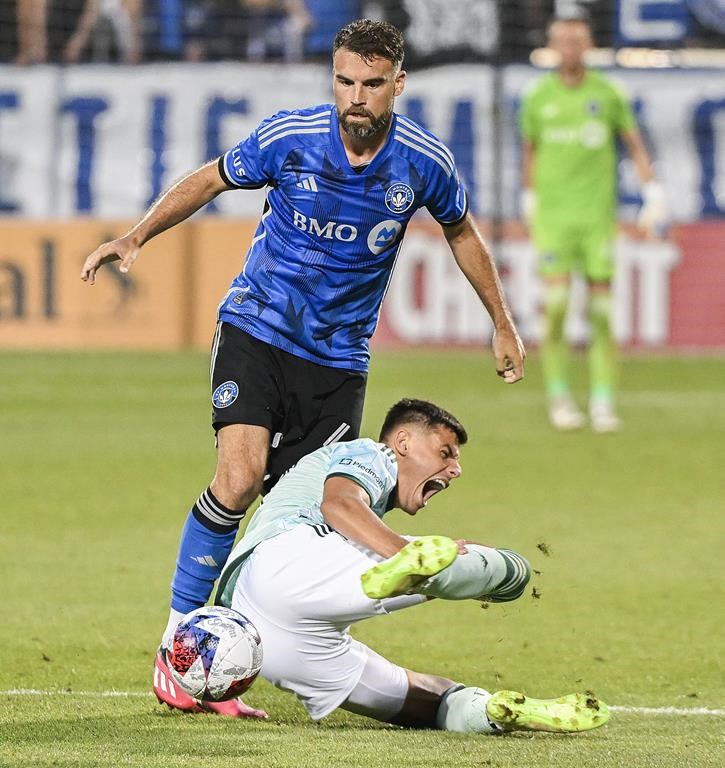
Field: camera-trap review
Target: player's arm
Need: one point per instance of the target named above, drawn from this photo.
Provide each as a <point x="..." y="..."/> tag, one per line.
<point x="653" y="214"/>
<point x="346" y="507"/>
<point x="176" y="204"/>
<point x="476" y="263"/>
<point x="638" y="152"/>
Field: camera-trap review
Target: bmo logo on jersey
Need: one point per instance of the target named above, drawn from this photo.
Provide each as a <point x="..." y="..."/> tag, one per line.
<point x="330" y="230"/>
<point x="383" y="235"/>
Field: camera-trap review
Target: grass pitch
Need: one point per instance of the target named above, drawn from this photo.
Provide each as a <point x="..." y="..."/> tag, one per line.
<point x="101" y="456"/>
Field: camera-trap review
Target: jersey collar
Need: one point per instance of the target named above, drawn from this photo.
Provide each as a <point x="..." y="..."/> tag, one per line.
<point x="341" y="155"/>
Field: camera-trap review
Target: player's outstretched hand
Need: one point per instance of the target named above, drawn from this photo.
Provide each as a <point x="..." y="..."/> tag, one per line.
<point x="122" y="249"/>
<point x="653" y="216"/>
<point x="509" y="352"/>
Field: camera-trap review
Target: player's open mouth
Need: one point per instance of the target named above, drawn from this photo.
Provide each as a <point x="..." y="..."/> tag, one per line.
<point x="433" y="486"/>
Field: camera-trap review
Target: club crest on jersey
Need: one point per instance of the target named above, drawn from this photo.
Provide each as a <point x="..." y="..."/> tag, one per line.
<point x="399" y="197"/>
<point x="383" y="235"/>
<point x="225" y="394"/>
<point x="593" y="107"/>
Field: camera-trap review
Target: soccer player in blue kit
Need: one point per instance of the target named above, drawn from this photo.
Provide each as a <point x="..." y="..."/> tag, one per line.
<point x="290" y="354"/>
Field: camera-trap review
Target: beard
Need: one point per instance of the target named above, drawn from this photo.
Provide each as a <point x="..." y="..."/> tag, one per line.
<point x="361" y="130"/>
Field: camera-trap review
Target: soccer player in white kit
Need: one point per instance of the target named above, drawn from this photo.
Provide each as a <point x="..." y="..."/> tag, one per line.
<point x="317" y="557"/>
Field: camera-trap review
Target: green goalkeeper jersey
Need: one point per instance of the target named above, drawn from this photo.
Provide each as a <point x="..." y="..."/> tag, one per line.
<point x="573" y="130"/>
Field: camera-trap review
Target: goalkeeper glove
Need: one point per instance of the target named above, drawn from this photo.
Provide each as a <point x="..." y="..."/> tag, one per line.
<point x="653" y="216"/>
<point x="527" y="205"/>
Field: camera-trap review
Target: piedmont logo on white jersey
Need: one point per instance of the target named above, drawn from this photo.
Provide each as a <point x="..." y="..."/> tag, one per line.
<point x="366" y="469"/>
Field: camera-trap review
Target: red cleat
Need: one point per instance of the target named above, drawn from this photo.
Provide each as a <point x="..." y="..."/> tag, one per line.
<point x="233" y="708"/>
<point x="168" y="692"/>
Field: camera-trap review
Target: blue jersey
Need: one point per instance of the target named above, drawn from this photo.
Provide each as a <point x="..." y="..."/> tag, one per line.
<point x="324" y="251"/>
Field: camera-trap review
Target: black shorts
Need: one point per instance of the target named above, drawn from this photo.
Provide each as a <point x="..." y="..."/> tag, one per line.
<point x="303" y="405"/>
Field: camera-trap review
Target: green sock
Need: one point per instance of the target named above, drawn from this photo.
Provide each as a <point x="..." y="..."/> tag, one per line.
<point x="602" y="349"/>
<point x="554" y="349"/>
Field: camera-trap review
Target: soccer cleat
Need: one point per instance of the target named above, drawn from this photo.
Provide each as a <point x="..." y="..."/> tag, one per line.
<point x="603" y="416"/>
<point x="168" y="692"/>
<point x="398" y="574"/>
<point x="233" y="708"/>
<point x="575" y="712"/>
<point x="167" y="689"/>
<point x="564" y="414"/>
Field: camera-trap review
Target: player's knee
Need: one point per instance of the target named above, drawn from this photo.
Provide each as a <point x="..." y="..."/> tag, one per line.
<point x="517" y="576"/>
<point x="383" y="690"/>
<point x="600" y="311"/>
<point x="556" y="299"/>
<point x="237" y="487"/>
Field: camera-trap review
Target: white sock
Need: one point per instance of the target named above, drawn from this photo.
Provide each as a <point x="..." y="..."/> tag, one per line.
<point x="168" y="637"/>
<point x="464" y="710"/>
<point x="469" y="576"/>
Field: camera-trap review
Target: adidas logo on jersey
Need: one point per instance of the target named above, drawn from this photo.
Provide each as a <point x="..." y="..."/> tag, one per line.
<point x="309" y="184"/>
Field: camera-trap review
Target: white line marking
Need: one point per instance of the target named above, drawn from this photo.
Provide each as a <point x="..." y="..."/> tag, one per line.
<point x="145" y="694"/>
<point x="670" y="711"/>
<point x="80" y="694"/>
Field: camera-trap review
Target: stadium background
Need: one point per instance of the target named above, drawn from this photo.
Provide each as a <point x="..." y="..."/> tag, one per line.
<point x="101" y="452"/>
<point x="85" y="148"/>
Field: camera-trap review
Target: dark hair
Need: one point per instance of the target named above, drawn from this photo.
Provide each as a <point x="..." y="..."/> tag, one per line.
<point x="410" y="411"/>
<point x="371" y="39"/>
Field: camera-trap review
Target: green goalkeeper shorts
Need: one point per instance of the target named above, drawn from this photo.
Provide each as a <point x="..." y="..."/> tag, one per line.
<point x="586" y="249"/>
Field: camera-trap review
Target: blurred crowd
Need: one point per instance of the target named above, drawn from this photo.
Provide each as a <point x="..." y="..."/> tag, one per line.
<point x="132" y="31"/>
<point x="436" y="31"/>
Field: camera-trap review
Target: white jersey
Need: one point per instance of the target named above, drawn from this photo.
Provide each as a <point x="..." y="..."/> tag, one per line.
<point x="297" y="497"/>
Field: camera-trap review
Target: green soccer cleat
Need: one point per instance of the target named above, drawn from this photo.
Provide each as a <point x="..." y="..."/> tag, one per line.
<point x="568" y="714"/>
<point x="398" y="574"/>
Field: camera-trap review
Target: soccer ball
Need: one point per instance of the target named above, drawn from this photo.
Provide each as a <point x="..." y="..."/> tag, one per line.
<point x="216" y="654"/>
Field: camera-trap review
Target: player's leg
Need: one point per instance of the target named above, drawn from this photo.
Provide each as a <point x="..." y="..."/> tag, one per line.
<point x="556" y="254"/>
<point x="208" y="536"/>
<point x="389" y="693"/>
<point x="302" y="588"/>
<point x="475" y="710"/>
<point x="244" y="401"/>
<point x="482" y="573"/>
<point x="213" y="521"/>
<point x="392" y="694"/>
<point x="599" y="256"/>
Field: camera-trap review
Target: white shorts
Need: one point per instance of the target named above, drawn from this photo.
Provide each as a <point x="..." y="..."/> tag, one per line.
<point x="302" y="591"/>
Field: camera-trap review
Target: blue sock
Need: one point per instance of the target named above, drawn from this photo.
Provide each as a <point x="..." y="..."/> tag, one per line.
<point x="206" y="541"/>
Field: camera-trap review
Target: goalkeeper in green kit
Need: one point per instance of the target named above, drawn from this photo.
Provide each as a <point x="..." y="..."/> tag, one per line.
<point x="570" y="119"/>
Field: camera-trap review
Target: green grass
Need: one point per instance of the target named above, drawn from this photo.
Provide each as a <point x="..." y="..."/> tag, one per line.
<point x="101" y="455"/>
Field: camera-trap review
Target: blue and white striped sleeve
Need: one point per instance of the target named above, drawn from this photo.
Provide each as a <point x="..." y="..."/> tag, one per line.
<point x="445" y="196"/>
<point x="448" y="201"/>
<point x="250" y="165"/>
